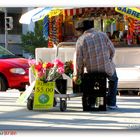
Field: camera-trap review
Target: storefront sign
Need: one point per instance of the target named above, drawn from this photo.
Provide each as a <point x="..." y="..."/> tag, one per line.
<point x="44" y="95"/>
<point x="131" y="12"/>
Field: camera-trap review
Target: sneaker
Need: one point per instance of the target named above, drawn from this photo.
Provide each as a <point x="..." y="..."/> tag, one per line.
<point x="113" y="107"/>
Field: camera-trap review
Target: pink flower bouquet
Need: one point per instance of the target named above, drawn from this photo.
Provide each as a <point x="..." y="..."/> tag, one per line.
<point x="47" y="71"/>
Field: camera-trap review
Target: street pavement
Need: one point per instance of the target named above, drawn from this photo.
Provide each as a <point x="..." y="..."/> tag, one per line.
<point x="15" y="116"/>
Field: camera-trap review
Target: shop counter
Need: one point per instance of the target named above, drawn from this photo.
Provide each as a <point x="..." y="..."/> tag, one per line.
<point x="129" y="77"/>
<point x="127" y="61"/>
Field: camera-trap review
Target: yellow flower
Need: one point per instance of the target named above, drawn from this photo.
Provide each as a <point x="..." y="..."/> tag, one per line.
<point x="44" y="65"/>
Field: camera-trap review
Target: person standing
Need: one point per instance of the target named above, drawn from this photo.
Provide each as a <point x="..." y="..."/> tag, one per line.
<point x="95" y="52"/>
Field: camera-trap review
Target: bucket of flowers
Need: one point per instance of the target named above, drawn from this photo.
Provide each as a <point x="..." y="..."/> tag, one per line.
<point x="48" y="72"/>
<point x="69" y="68"/>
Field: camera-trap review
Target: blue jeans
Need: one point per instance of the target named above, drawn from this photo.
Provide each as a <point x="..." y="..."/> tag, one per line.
<point x="112" y="89"/>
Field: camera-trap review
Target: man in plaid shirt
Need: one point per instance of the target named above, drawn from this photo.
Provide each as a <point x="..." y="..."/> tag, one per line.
<point x="95" y="51"/>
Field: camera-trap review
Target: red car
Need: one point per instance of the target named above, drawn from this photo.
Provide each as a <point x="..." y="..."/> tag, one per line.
<point x="13" y="71"/>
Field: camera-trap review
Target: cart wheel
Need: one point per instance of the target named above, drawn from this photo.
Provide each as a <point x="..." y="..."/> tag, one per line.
<point x="30" y="104"/>
<point x="86" y="104"/>
<point x="54" y="103"/>
<point x="63" y="105"/>
<point x="102" y="107"/>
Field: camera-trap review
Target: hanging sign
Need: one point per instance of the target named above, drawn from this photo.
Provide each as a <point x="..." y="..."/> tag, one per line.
<point x="44" y="95"/>
<point x="131" y="12"/>
<point x="55" y="12"/>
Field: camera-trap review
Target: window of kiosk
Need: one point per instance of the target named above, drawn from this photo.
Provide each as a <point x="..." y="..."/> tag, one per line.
<point x="118" y="27"/>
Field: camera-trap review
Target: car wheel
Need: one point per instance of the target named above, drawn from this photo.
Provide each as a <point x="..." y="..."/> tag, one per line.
<point x="3" y="84"/>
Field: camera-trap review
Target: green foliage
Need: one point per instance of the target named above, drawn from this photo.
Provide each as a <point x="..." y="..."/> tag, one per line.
<point x="35" y="39"/>
<point x="109" y="21"/>
<point x="107" y="24"/>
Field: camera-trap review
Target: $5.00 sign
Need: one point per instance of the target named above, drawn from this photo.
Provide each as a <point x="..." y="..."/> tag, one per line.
<point x="44" y="95"/>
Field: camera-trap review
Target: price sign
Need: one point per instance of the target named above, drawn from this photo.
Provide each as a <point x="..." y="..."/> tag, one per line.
<point x="44" y="95"/>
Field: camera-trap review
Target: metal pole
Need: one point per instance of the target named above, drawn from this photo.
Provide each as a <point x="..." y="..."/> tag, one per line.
<point x="6" y="31"/>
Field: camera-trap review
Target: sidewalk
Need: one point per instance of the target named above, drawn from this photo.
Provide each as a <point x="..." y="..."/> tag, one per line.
<point x="14" y="116"/>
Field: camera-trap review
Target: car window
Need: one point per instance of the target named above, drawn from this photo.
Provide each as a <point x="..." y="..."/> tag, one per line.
<point x="4" y="53"/>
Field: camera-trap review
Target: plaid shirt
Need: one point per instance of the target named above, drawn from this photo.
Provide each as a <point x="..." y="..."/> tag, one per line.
<point x="94" y="51"/>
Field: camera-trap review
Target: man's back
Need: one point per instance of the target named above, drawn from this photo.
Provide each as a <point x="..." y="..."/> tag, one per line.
<point x="97" y="51"/>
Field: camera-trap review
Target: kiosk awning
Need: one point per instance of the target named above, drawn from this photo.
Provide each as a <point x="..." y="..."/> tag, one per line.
<point x="95" y="10"/>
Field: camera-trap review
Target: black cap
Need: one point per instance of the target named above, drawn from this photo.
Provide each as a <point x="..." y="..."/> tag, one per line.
<point x="79" y="25"/>
<point x="84" y="24"/>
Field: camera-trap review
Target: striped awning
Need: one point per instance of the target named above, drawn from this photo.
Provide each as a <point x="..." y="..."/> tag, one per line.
<point x="97" y="10"/>
<point x="72" y="12"/>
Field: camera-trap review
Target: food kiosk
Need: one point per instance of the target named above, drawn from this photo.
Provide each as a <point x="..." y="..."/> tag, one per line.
<point x="119" y="26"/>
